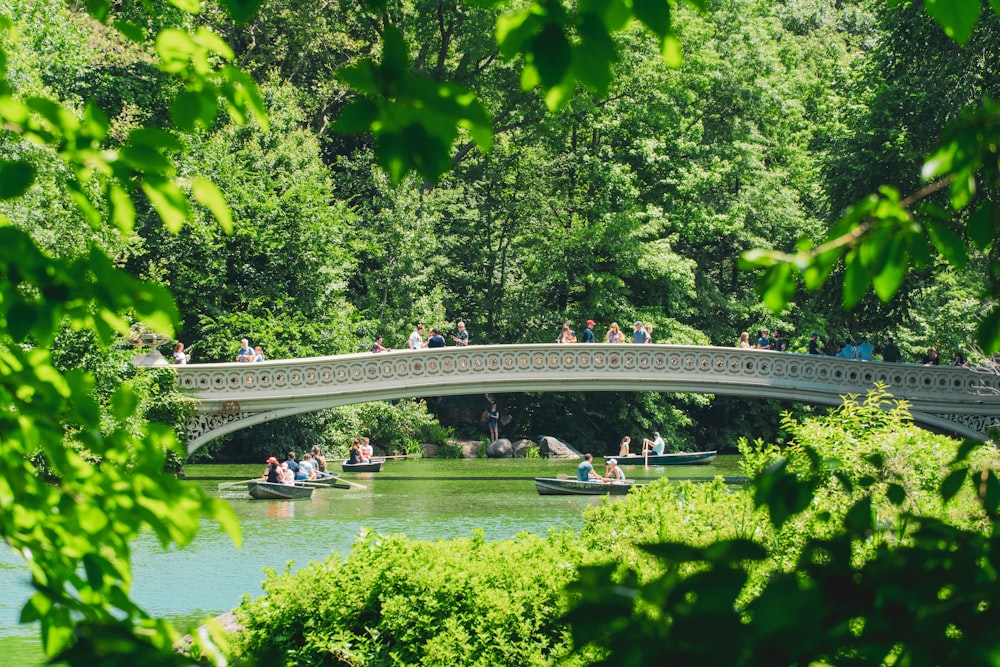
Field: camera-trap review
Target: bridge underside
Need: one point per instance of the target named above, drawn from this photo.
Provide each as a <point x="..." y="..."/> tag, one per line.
<point x="961" y="401"/>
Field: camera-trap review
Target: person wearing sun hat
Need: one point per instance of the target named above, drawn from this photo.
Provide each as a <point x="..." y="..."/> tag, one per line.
<point x="271" y="474"/>
<point x="613" y="473"/>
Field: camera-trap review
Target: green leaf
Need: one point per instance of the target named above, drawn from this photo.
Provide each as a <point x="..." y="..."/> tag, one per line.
<point x="953" y="483"/>
<point x="168" y="200"/>
<point x="896" y="494"/>
<point x="982" y="226"/>
<point x="777" y="286"/>
<point x="670" y="50"/>
<point x="948" y="243"/>
<point x="859" y="518"/>
<point x="988" y="331"/>
<point x="124" y="402"/>
<point x="99" y="9"/>
<point x="131" y="31"/>
<point x="192" y="110"/>
<point x="241" y="10"/>
<point x="357" y="117"/>
<point x="655" y="14"/>
<point x="856" y="281"/>
<point x="208" y="195"/>
<point x="887" y="281"/>
<point x="957" y="17"/>
<point x="513" y="31"/>
<point x="16" y="176"/>
<point x="189" y="6"/>
<point x="122" y="209"/>
<point x="551" y="55"/>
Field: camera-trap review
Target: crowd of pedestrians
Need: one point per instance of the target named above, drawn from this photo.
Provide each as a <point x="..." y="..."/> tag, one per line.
<point x="642" y="333"/>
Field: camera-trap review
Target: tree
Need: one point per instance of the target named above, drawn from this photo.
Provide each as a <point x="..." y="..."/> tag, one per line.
<point x="105" y="484"/>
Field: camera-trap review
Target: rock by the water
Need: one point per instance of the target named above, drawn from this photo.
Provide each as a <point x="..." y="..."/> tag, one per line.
<point x="554" y="448"/>
<point x="521" y="447"/>
<point x="500" y="449"/>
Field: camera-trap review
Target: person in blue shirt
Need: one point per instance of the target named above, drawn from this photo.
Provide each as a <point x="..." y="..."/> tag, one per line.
<point x="436" y="339"/>
<point x="865" y="349"/>
<point x="585" y="471"/>
<point x="246" y="353"/>
<point x="639" y="336"/>
<point x="588" y="333"/>
<point x="764" y="341"/>
<point x="848" y="351"/>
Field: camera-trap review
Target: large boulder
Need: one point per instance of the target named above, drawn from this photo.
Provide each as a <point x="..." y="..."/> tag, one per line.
<point x="521" y="448"/>
<point x="554" y="448"/>
<point x="500" y="449"/>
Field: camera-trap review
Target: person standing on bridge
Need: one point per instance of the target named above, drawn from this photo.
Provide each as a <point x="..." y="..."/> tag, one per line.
<point x="890" y="352"/>
<point x="462" y="337"/>
<point x="639" y="335"/>
<point x="436" y="339"/>
<point x="416" y="340"/>
<point x="764" y="340"/>
<point x="245" y="353"/>
<point x="744" y="343"/>
<point x="588" y="332"/>
<point x="378" y="346"/>
<point x="814" y="344"/>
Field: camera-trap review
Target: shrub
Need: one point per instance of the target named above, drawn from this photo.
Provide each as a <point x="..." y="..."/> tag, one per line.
<point x="406" y="602"/>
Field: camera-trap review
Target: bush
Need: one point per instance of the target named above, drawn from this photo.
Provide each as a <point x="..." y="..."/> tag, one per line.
<point x="405" y="602"/>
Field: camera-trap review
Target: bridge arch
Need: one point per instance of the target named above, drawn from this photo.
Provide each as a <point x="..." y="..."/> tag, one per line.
<point x="233" y="396"/>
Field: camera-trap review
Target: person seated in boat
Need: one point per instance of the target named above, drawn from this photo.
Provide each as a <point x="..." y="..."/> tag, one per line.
<point x="272" y="474"/>
<point x="354" y="454"/>
<point x="305" y="468"/>
<point x="287" y="476"/>
<point x="654" y="446"/>
<point x="613" y="473"/>
<point x="366" y="451"/>
<point x="624" y="445"/>
<point x="585" y="471"/>
<point x="319" y="462"/>
<point x="292" y="463"/>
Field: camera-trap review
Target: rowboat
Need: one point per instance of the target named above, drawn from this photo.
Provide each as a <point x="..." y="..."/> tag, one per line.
<point x="260" y="490"/>
<point x="375" y="465"/>
<point x="553" y="486"/>
<point x="330" y="479"/>
<point x="675" y="459"/>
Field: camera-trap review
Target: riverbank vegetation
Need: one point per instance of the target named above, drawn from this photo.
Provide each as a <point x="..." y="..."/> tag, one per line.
<point x="862" y="477"/>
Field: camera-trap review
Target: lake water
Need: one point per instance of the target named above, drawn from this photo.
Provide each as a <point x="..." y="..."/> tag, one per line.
<point x="421" y="498"/>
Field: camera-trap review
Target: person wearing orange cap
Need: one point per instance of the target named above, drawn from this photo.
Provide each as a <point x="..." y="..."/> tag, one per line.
<point x="271" y="474"/>
<point x="588" y="333"/>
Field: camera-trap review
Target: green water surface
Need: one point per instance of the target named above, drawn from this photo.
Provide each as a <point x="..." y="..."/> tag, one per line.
<point x="421" y="498"/>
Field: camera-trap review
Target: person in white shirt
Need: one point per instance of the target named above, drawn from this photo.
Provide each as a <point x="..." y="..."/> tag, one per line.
<point x="416" y="339"/>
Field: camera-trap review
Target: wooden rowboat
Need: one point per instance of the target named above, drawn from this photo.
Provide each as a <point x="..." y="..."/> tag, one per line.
<point x="675" y="459"/>
<point x="331" y="479"/>
<point x="375" y="465"/>
<point x="553" y="486"/>
<point x="260" y="490"/>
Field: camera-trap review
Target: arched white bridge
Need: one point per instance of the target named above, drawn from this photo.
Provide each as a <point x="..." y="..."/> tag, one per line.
<point x="233" y="396"/>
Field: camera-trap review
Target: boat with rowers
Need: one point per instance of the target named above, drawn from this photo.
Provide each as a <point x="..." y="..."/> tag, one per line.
<point x="557" y="486"/>
<point x="674" y="459"/>
<point x="375" y="465"/>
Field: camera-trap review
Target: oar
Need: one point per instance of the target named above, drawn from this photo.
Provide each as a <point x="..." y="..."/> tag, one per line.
<point x="229" y="485"/>
<point x="315" y="485"/>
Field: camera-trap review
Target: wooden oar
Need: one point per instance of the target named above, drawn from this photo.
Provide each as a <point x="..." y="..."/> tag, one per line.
<point x="317" y="485"/>
<point x="229" y="485"/>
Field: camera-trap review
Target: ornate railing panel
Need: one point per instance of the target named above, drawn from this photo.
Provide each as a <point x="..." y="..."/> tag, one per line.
<point x="963" y="401"/>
